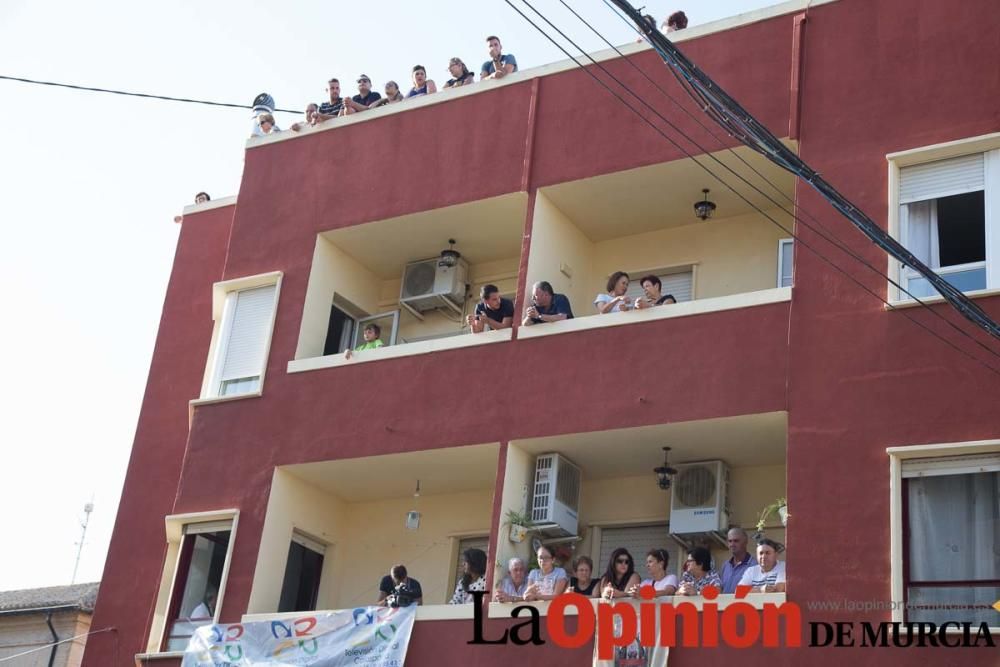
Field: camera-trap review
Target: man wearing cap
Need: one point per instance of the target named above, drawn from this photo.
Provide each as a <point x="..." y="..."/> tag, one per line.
<point x="330" y="109"/>
<point x="365" y="99"/>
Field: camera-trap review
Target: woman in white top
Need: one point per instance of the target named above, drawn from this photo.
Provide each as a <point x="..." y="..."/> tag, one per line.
<point x="546" y="581"/>
<point x="614" y="299"/>
<point x="662" y="582"/>
<point x="473" y="576"/>
<point x="768" y="575"/>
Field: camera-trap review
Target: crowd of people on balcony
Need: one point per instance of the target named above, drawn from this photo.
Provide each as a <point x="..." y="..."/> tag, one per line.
<point x="494" y="312"/>
<point x="763" y="574"/>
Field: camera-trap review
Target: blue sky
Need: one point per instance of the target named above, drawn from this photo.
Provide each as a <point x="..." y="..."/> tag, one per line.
<point x="90" y="184"/>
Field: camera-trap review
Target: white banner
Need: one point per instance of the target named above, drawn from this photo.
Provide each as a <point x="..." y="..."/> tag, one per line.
<point x="366" y="637"/>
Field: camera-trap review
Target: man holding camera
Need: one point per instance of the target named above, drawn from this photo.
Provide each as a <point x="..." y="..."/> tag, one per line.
<point x="398" y="590"/>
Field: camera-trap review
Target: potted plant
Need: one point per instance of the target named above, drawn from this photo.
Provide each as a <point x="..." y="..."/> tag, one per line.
<point x="780" y="506"/>
<point x="519" y="523"/>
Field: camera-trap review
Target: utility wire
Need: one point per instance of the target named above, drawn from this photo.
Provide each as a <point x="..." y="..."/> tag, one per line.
<point x="659" y="131"/>
<point x="730" y="114"/>
<point x="146" y="95"/>
<point x="827" y="234"/>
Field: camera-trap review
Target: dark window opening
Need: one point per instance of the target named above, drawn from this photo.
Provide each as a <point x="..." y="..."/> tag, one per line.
<point x="339" y="332"/>
<point x="962" y="228"/>
<point x="300" y="589"/>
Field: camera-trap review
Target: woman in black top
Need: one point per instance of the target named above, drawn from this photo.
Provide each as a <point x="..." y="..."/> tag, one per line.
<point x="583" y="581"/>
<point x="620" y="575"/>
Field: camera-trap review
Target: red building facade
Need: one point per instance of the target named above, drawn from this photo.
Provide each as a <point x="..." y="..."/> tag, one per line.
<point x="817" y="392"/>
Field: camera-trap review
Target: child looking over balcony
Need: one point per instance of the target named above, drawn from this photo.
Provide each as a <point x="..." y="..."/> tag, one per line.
<point x="371" y="338"/>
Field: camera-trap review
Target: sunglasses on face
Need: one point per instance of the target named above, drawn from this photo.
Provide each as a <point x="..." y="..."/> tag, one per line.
<point x="623" y="561"/>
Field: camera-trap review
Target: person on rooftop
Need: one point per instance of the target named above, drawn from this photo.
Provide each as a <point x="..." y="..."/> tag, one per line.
<point x="421" y="84"/>
<point x="265" y="122"/>
<point x="492" y="312"/>
<point x="652" y="285"/>
<point x="500" y="64"/>
<point x="676" y="21"/>
<point x="614" y="299"/>
<point x="546" y="305"/>
<point x="365" y="99"/>
<point x="201" y="198"/>
<point x="311" y="110"/>
<point x="330" y="109"/>
<point x="460" y="74"/>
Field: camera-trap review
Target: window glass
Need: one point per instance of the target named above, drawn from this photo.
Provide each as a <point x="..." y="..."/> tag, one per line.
<point x="199" y="576"/>
<point x="953" y="547"/>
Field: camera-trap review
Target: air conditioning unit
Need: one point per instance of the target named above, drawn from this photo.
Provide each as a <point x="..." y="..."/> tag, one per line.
<point x="427" y="285"/>
<point x="555" y="498"/>
<point x="698" y="499"/>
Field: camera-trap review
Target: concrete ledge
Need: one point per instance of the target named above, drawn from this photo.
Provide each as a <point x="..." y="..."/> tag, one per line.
<point x="685" y="309"/>
<point x="402" y="350"/>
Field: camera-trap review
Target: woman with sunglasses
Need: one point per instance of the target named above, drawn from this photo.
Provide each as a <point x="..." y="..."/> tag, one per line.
<point x="698" y="573"/>
<point x="662" y="582"/>
<point x="620" y="575"/>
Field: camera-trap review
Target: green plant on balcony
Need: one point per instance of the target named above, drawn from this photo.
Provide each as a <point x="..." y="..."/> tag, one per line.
<point x="519" y="523"/>
<point x="780" y="506"/>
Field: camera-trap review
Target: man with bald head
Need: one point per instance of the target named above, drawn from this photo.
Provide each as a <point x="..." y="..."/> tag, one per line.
<point x="739" y="562"/>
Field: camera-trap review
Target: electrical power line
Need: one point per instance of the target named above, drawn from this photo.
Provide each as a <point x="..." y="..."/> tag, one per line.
<point x="659" y="131"/>
<point x="726" y="111"/>
<point x="826" y="234"/>
<point x="130" y="94"/>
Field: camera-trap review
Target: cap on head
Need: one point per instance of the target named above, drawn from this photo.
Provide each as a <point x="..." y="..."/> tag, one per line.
<point x="363" y="77"/>
<point x="263" y="103"/>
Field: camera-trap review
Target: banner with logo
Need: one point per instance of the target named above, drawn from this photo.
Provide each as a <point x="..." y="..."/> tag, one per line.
<point x="368" y="636"/>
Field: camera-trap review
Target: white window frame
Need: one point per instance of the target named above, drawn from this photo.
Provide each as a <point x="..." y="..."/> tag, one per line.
<point x="988" y="144"/>
<point x="223" y="293"/>
<point x="781" y="263"/>
<point x="176" y="528"/>
<point x="896" y="547"/>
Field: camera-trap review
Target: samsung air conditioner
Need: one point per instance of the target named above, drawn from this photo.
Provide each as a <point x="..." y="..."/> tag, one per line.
<point x="430" y="285"/>
<point x="698" y="499"/>
<point x="555" y="497"/>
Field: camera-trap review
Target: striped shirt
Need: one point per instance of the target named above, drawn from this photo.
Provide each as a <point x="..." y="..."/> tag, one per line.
<point x="756" y="577"/>
<point x="331" y="108"/>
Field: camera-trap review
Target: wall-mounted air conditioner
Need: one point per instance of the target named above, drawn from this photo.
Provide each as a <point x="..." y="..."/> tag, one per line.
<point x="429" y="285"/>
<point x="555" y="498"/>
<point x="698" y="499"/>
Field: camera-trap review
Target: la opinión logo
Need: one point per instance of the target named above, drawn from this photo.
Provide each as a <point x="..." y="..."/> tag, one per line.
<point x="738" y="625"/>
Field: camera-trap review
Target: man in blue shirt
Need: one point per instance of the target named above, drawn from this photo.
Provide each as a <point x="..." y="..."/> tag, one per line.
<point x="740" y="562"/>
<point x="493" y="311"/>
<point x="500" y="64"/>
<point x="365" y="99"/>
<point x="546" y="305"/>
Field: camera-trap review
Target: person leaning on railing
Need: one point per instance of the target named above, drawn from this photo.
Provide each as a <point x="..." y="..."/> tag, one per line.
<point x="768" y="576"/>
<point x="546" y="305"/>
